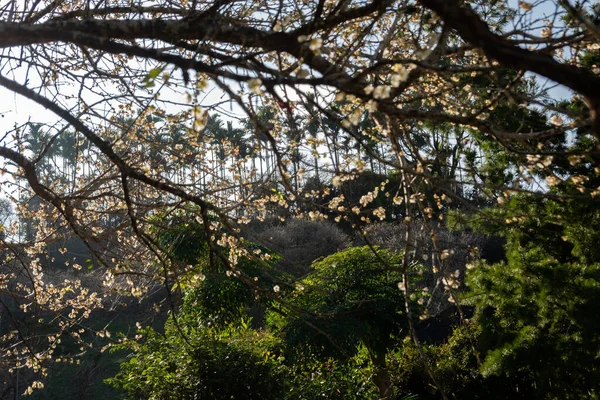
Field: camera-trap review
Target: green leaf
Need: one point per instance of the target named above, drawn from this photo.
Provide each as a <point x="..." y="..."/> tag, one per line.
<point x="150" y="77"/>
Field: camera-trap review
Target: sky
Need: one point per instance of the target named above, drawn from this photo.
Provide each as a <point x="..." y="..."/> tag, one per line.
<point x="15" y="110"/>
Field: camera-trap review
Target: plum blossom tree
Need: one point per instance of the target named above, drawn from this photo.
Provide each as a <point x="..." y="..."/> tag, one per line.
<point x="454" y="91"/>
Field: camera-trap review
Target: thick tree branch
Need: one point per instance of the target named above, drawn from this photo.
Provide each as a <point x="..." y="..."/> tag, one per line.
<point x="475" y="31"/>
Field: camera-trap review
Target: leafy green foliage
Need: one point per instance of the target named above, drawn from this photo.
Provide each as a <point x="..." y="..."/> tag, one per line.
<point x="216" y="295"/>
<point x="351" y="302"/>
<point x="539" y="320"/>
<point x="313" y="377"/>
<point x="195" y="361"/>
<point x="538" y="311"/>
<point x="221" y="297"/>
<point x="210" y="350"/>
<point x="198" y="362"/>
<point x="351" y="298"/>
<point x="150" y="78"/>
<point x="453" y="363"/>
<point x="183" y="238"/>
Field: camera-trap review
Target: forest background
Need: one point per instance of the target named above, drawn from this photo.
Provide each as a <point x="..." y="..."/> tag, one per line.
<point x="289" y="200"/>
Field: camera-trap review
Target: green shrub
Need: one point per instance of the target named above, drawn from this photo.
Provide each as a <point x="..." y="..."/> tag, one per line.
<point x="200" y="363"/>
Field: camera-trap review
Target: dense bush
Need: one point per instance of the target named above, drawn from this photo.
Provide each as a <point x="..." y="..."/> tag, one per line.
<point x="538" y="311"/>
<point x="350" y="301"/>
<point x="198" y="362"/>
<point x="210" y="350"/>
<point x="453" y="363"/>
<point x="341" y="331"/>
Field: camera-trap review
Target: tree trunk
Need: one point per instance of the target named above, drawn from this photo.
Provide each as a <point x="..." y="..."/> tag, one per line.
<point x="382" y="378"/>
